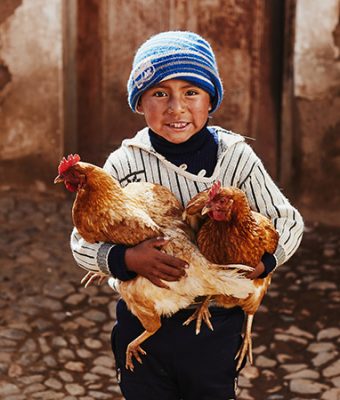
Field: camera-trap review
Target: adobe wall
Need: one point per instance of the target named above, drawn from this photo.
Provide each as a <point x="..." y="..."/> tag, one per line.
<point x="32" y="78"/>
<point x="317" y="101"/>
<point x="31" y="127"/>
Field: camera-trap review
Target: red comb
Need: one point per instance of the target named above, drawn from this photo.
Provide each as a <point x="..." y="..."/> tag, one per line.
<point x="214" y="190"/>
<point x="65" y="164"/>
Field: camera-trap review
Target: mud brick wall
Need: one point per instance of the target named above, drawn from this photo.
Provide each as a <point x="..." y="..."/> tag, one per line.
<point x="317" y="114"/>
<point x="64" y="66"/>
<point x="31" y="91"/>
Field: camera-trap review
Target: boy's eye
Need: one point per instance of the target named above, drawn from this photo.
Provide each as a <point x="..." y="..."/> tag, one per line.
<point x="159" y="93"/>
<point x="192" y="92"/>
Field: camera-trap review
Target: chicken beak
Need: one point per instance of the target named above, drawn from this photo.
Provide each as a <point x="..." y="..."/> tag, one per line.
<point x="205" y="210"/>
<point x="58" y="179"/>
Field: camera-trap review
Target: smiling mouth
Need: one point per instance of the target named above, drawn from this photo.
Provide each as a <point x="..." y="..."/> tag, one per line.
<point x="178" y="125"/>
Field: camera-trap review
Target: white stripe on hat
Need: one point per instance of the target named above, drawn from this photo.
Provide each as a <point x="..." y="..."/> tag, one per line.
<point x="178" y="62"/>
<point x="187" y="74"/>
<point x="184" y="52"/>
<point x="167" y="38"/>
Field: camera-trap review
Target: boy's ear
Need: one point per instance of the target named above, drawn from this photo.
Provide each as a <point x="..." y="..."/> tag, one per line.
<point x="210" y="104"/>
<point x="139" y="107"/>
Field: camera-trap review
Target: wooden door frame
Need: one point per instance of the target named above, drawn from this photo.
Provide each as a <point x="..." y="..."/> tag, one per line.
<point x="70" y="100"/>
<point x="288" y="137"/>
<point x="82" y="77"/>
<point x="267" y="61"/>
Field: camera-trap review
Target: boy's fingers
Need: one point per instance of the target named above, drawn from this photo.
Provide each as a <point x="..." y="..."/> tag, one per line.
<point x="169" y="274"/>
<point x="173" y="262"/>
<point x="159" y="283"/>
<point x="172" y="272"/>
<point x="159" y="241"/>
<point x="167" y="259"/>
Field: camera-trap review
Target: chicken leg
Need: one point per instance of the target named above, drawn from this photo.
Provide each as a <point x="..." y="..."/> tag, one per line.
<point x="133" y="349"/>
<point x="247" y="345"/>
<point x="151" y="323"/>
<point x="201" y="313"/>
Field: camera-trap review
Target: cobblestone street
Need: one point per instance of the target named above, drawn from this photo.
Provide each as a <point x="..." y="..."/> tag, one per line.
<point x="55" y="335"/>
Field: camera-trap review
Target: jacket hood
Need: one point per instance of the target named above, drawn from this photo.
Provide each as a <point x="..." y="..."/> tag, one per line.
<point x="226" y="139"/>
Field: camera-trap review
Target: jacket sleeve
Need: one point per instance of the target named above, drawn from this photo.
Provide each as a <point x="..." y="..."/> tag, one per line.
<point x="107" y="258"/>
<point x="90" y="256"/>
<point x="266" y="198"/>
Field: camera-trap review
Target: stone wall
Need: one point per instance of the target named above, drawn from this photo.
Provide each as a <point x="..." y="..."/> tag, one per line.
<point x="31" y="90"/>
<point x="317" y="108"/>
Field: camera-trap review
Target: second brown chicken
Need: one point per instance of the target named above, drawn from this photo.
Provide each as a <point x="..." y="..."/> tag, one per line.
<point x="228" y="231"/>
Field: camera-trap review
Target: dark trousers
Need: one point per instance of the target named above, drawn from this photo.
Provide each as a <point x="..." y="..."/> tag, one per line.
<point x="180" y="365"/>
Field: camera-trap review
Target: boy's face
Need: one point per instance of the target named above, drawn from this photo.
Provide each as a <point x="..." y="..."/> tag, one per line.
<point x="175" y="109"/>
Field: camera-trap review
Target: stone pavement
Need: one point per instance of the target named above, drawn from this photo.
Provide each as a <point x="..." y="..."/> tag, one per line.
<point x="55" y="335"/>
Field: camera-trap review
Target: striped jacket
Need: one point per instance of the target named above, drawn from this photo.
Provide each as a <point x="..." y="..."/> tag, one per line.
<point x="237" y="165"/>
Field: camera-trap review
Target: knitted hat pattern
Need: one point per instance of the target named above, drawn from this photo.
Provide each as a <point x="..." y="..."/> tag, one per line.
<point x="175" y="55"/>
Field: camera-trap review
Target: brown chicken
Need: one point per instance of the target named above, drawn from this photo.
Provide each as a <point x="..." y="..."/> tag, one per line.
<point x="103" y="211"/>
<point x="228" y="231"/>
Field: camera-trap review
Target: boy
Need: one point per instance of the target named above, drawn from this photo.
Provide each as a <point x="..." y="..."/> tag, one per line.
<point x="175" y="84"/>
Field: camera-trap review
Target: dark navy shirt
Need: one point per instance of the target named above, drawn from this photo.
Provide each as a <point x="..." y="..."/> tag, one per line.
<point x="197" y="153"/>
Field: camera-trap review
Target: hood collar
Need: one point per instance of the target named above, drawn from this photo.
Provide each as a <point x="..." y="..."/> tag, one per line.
<point x="226" y="139"/>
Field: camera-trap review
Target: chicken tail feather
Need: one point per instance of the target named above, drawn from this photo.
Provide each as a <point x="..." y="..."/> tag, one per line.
<point x="232" y="281"/>
<point x="240" y="267"/>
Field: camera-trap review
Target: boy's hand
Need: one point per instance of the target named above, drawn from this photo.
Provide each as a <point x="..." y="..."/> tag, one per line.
<point x="257" y="271"/>
<point x="146" y="259"/>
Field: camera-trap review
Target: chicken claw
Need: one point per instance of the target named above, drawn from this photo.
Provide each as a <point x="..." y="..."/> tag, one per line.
<point x="133" y="351"/>
<point x="201" y="312"/>
<point x="247" y="345"/>
<point x="246" y="348"/>
<point x="90" y="277"/>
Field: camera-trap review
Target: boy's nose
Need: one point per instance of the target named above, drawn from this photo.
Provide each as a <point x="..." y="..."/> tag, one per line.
<point x="176" y="105"/>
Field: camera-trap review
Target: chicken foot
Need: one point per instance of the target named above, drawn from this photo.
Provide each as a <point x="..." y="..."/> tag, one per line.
<point x="201" y="313"/>
<point x="91" y="277"/>
<point x="247" y="344"/>
<point x="134" y="350"/>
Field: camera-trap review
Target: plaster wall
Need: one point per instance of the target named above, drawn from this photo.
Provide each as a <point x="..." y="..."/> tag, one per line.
<point x="32" y="78"/>
<point x="31" y="127"/>
<point x="317" y="99"/>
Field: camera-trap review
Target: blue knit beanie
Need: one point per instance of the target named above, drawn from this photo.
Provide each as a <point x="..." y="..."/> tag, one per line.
<point x="175" y="55"/>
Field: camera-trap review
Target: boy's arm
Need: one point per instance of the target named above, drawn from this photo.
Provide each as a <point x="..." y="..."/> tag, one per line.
<point x="101" y="257"/>
<point x="265" y="197"/>
<point x="106" y="258"/>
<point x="123" y="262"/>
